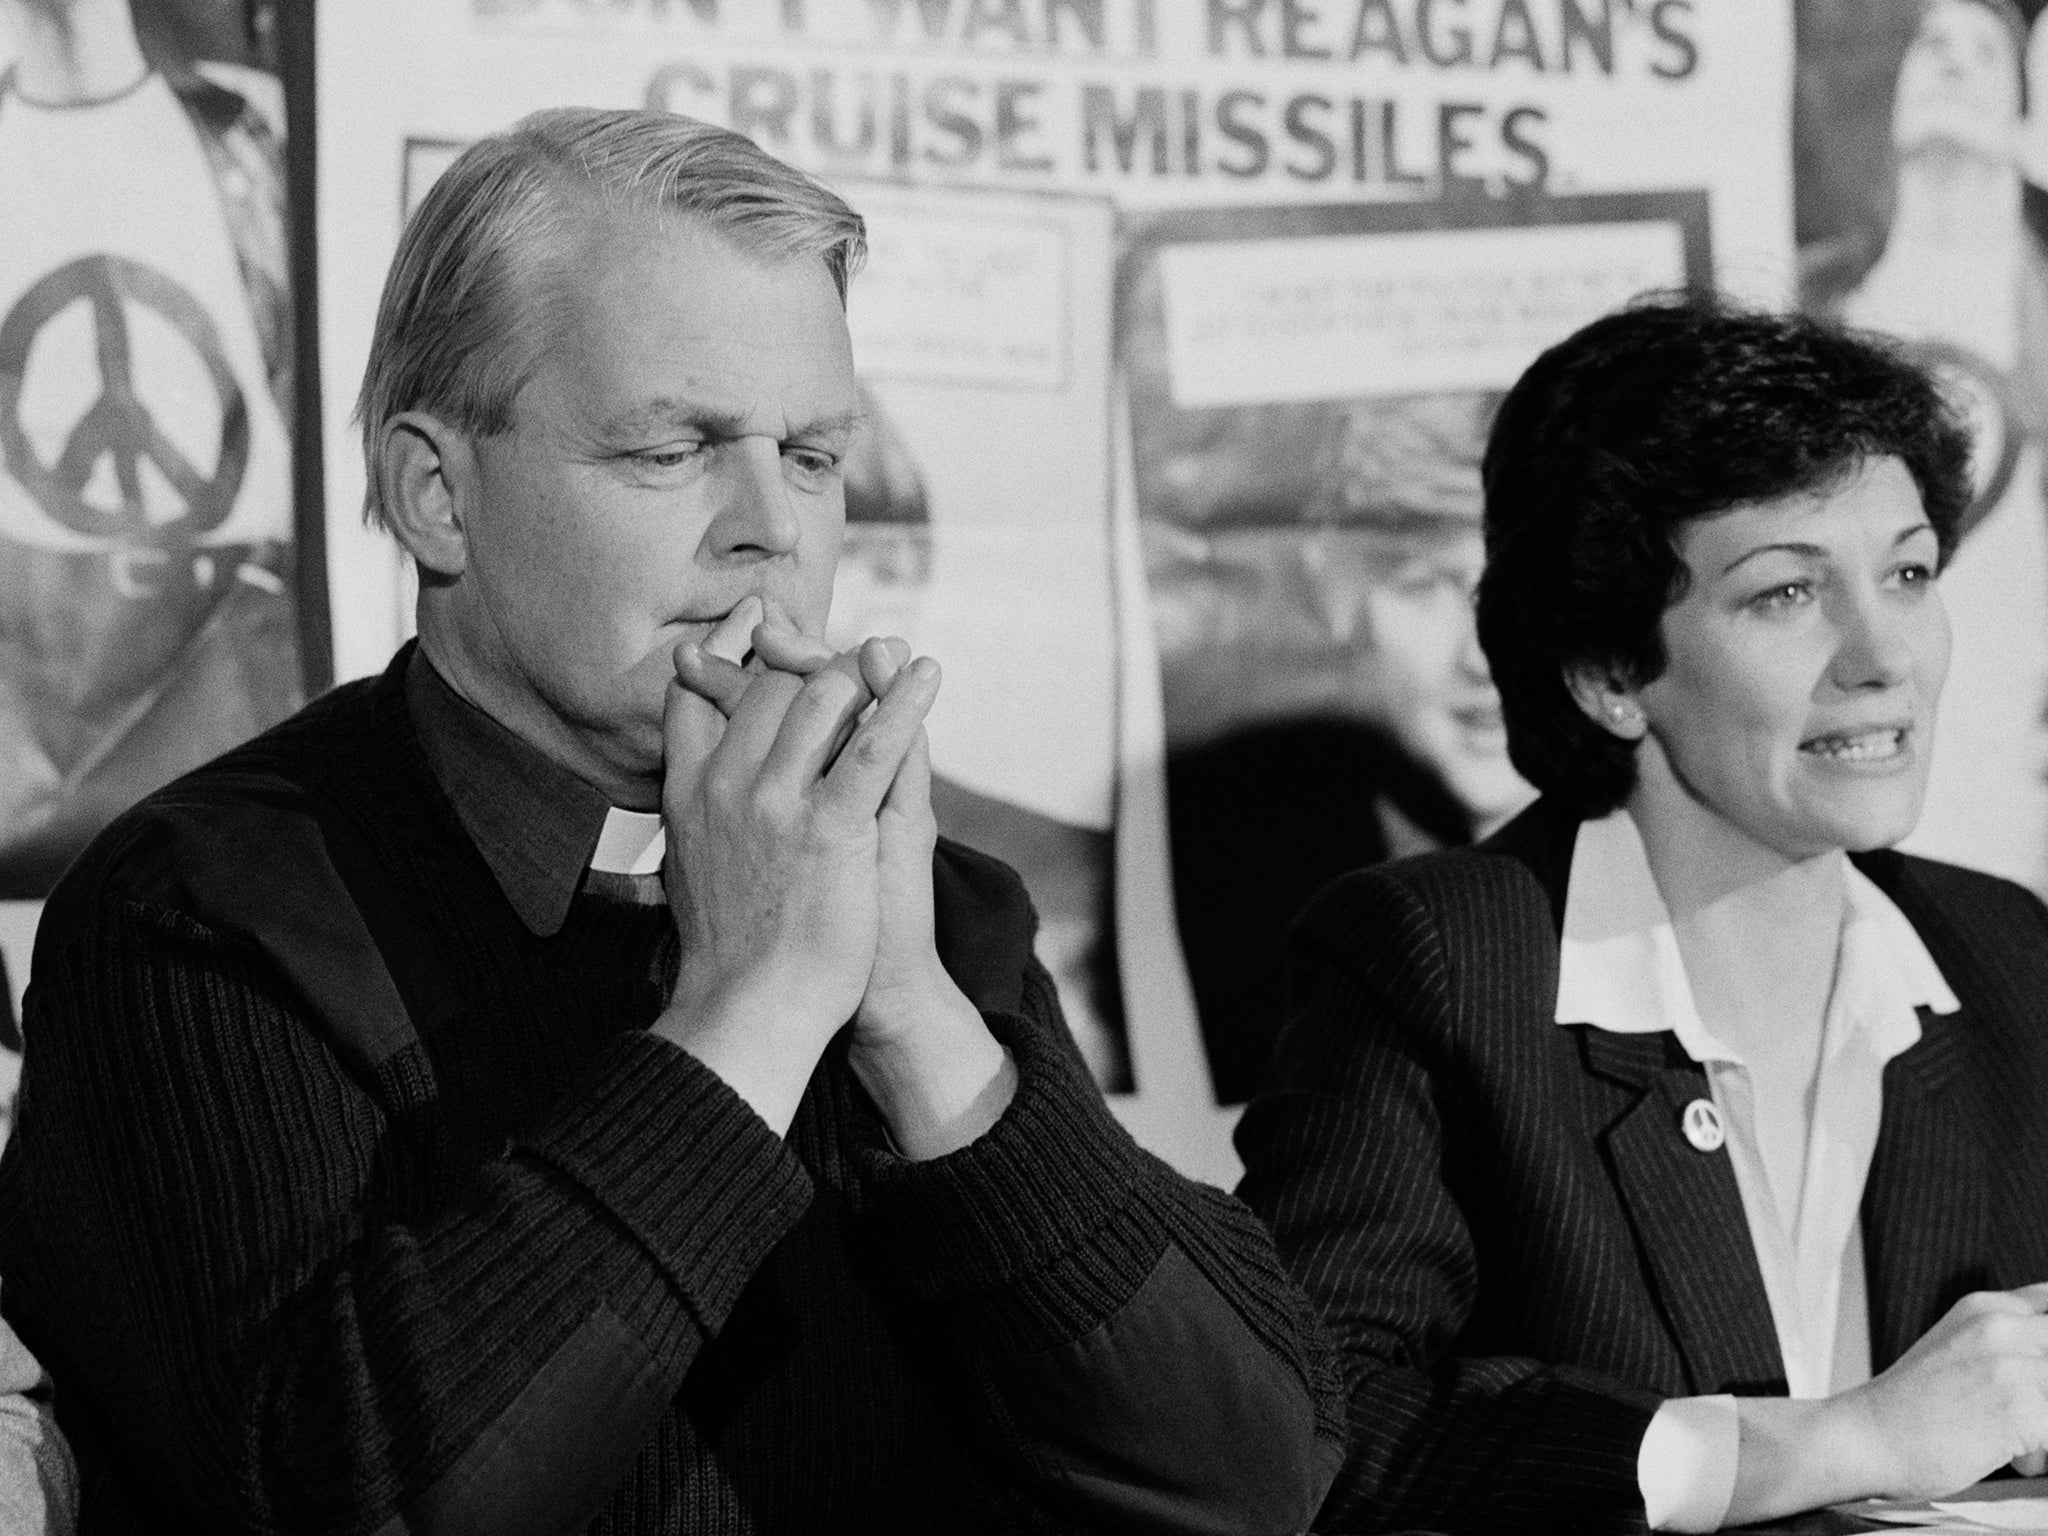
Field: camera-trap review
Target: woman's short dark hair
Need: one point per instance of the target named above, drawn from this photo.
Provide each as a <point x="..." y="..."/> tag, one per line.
<point x="1675" y="408"/>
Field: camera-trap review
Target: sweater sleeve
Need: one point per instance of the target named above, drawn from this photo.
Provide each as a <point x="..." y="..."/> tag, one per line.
<point x="1132" y="1348"/>
<point x="200" y="1214"/>
<point x="1356" y="1158"/>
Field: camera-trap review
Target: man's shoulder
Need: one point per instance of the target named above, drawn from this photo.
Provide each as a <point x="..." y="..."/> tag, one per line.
<point x="251" y="820"/>
<point x="276" y="855"/>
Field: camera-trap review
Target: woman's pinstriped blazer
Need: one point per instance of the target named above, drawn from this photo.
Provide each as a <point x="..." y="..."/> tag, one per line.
<point x="1504" y="1226"/>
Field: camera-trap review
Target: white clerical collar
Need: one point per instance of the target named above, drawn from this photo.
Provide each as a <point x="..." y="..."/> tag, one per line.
<point x="1619" y="967"/>
<point x="630" y="844"/>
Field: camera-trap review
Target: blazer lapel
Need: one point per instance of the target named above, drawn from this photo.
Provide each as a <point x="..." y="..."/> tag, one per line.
<point x="1928" y="1236"/>
<point x="1686" y="1209"/>
<point x="1926" y="1202"/>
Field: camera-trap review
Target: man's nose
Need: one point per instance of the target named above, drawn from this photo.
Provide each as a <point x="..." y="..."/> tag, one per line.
<point x="757" y="517"/>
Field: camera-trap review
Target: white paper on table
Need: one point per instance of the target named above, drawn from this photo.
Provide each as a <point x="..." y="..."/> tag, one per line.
<point x="1965" y="1517"/>
<point x="2005" y="1515"/>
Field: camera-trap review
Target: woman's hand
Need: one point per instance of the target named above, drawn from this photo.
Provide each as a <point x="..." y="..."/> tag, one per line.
<point x="1966" y="1399"/>
<point x="1969" y="1397"/>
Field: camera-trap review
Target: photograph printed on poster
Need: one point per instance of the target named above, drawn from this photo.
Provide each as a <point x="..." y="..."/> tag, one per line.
<point x="977" y="527"/>
<point x="883" y="587"/>
<point x="1921" y="158"/>
<point x="149" y="617"/>
<point x="1310" y="394"/>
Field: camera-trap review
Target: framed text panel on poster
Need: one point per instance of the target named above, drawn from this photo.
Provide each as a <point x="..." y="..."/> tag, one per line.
<point x="1310" y="389"/>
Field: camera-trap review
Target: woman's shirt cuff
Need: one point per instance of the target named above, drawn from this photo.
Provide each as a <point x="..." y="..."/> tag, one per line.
<point x="1686" y="1464"/>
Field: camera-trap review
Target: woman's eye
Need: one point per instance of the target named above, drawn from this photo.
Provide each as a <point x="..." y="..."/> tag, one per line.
<point x="1788" y="594"/>
<point x="1916" y="575"/>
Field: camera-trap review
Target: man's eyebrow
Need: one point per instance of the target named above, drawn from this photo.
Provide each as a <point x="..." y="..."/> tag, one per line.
<point x="832" y="425"/>
<point x="1815" y="551"/>
<point x="719" y="421"/>
<point x="668" y="412"/>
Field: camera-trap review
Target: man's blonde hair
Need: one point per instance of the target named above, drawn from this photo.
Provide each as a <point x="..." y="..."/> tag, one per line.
<point x="462" y="325"/>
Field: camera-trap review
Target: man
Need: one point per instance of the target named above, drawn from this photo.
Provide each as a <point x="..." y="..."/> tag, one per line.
<point x="398" y="1153"/>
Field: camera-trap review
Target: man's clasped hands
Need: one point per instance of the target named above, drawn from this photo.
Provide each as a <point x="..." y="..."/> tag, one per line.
<point x="797" y="802"/>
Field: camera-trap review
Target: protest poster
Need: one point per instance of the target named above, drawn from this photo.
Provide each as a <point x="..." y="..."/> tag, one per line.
<point x="162" y="577"/>
<point x="155" y="608"/>
<point x="1496" y="136"/>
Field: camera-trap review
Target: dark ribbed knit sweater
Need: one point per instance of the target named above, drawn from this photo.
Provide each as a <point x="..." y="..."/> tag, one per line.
<point x="318" y="1234"/>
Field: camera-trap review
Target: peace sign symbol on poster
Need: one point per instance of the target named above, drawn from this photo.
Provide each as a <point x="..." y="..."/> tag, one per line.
<point x="119" y="428"/>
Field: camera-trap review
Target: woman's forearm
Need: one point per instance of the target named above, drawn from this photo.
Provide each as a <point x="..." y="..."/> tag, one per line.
<point x="1799" y="1454"/>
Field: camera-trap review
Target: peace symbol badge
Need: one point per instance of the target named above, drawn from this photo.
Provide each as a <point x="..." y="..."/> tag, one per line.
<point x="1702" y="1125"/>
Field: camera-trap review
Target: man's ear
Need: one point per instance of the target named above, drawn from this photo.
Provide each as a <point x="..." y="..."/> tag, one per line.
<point x="427" y="486"/>
<point x="1608" y="702"/>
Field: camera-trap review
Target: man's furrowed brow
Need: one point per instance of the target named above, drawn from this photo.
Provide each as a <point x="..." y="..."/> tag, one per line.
<point x="668" y="414"/>
<point x="835" y="424"/>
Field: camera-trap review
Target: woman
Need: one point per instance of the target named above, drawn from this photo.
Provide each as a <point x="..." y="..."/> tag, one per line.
<point x="1682" y="1091"/>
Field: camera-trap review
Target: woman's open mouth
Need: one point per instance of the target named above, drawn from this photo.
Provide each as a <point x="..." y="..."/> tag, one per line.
<point x="1872" y="746"/>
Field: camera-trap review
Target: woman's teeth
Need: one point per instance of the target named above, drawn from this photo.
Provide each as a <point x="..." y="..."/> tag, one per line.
<point x="1867" y="747"/>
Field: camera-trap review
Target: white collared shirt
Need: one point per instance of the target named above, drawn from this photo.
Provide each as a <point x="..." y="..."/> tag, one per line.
<point x="630" y="844"/>
<point x="1619" y="969"/>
